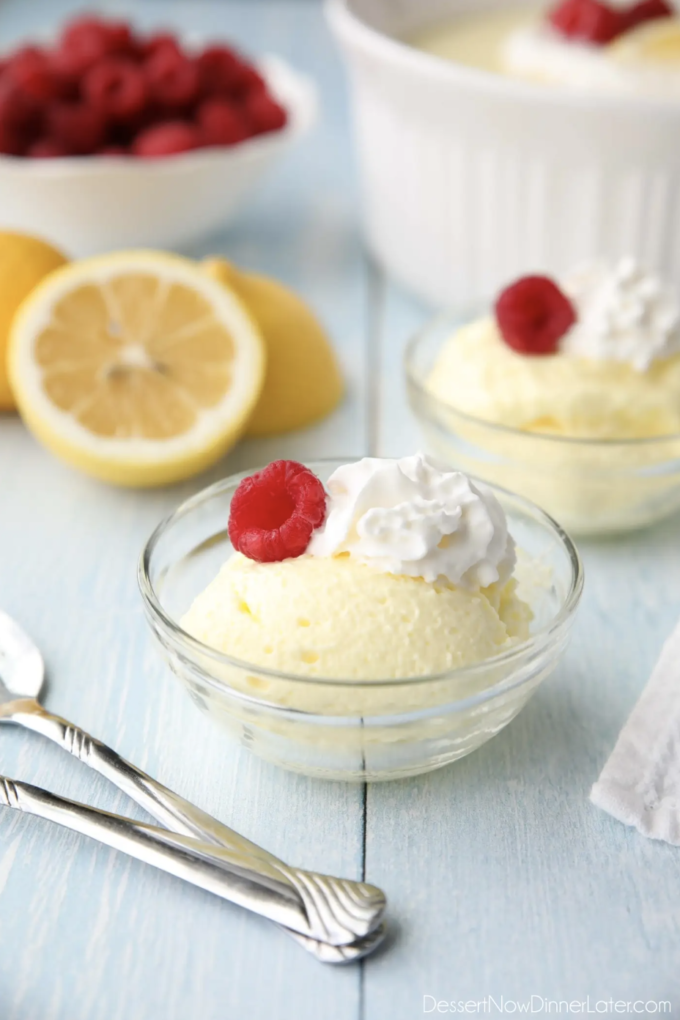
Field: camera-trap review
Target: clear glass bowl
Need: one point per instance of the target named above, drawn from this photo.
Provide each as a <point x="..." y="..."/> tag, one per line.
<point x="592" y="486"/>
<point x="336" y="729"/>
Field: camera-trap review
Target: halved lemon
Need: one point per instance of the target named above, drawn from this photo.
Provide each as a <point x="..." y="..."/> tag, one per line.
<point x="657" y="42"/>
<point x="135" y="367"/>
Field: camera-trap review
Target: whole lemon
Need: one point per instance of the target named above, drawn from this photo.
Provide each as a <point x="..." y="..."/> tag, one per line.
<point x="303" y="382"/>
<point x="24" y="261"/>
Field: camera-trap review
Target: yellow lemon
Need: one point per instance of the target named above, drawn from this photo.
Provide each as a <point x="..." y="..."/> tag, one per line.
<point x="657" y="42"/>
<point x="303" y="382"/>
<point x="135" y="367"/>
<point x="24" y="262"/>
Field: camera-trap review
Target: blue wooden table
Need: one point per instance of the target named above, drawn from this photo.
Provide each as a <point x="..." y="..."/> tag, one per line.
<point x="503" y="880"/>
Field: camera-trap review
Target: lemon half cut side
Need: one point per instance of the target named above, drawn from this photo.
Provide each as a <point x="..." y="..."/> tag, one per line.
<point x="136" y="367"/>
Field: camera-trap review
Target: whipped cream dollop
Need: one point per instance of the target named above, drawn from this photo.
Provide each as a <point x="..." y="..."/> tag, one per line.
<point x="418" y="518"/>
<point x="624" y="314"/>
<point x="538" y="52"/>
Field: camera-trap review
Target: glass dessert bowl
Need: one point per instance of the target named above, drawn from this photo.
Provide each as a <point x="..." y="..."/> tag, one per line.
<point x="580" y="432"/>
<point x="342" y="727"/>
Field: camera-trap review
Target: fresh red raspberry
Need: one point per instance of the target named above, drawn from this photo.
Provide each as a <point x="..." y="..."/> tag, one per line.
<point x="16" y="108"/>
<point x="31" y="70"/>
<point x="646" y="10"/>
<point x="19" y="120"/>
<point x="533" y="315"/>
<point x="78" y="126"/>
<point x="221" y="123"/>
<point x="275" y="512"/>
<point x="166" y="139"/>
<point x="117" y="88"/>
<point x="173" y="81"/>
<point x="247" y="81"/>
<point x="218" y="69"/>
<point x="588" y="20"/>
<point x="87" y="40"/>
<point x="12" y="141"/>
<point x="263" y="113"/>
<point x="160" y="42"/>
<point x="47" y="148"/>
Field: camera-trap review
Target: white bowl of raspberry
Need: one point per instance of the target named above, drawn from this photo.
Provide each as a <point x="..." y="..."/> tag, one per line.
<point x="112" y="139"/>
<point x="474" y="175"/>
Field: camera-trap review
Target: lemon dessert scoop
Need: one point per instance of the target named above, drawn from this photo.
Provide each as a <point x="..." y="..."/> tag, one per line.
<point x="401" y="569"/>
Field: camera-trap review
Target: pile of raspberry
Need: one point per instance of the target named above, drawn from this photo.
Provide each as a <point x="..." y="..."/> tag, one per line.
<point x="103" y="89"/>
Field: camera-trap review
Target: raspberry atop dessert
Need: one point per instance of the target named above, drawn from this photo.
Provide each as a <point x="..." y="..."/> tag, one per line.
<point x="533" y="315"/>
<point x="103" y="89"/>
<point x="275" y="512"/>
<point x="599" y="23"/>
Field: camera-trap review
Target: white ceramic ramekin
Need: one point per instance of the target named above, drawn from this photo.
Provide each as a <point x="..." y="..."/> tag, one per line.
<point x="471" y="179"/>
<point x="93" y="204"/>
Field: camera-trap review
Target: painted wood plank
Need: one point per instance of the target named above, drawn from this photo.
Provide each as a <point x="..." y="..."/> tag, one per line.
<point x="507" y="882"/>
<point x="85" y="934"/>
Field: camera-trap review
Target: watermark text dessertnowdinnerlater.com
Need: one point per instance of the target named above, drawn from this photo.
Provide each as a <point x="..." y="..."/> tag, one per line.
<point x="537" y="1004"/>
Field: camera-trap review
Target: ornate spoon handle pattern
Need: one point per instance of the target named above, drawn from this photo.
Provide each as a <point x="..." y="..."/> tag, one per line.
<point x="314" y="905"/>
<point x="340" y="910"/>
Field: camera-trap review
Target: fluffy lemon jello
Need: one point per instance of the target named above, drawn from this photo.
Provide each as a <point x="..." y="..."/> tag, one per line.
<point x="615" y="374"/>
<point x="410" y="575"/>
<point x="587" y="423"/>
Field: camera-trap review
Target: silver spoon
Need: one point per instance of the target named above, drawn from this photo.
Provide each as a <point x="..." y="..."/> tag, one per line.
<point x="344" y="917"/>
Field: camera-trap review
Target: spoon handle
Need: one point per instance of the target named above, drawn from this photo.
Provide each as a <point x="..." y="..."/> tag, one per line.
<point x="226" y="874"/>
<point x="162" y="803"/>
<point x="344" y="910"/>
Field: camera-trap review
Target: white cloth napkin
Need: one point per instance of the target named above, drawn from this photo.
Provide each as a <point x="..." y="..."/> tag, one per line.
<point x="640" y="784"/>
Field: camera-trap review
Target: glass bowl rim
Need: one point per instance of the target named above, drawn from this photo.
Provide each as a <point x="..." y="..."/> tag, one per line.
<point x="414" y="379"/>
<point x="509" y="657"/>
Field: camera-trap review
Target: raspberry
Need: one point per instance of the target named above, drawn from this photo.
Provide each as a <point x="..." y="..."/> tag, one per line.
<point x="87" y="40"/>
<point x="221" y="123"/>
<point x="167" y="139"/>
<point x="31" y="71"/>
<point x="16" y="108"/>
<point x="173" y="80"/>
<point x="78" y="126"/>
<point x="12" y="142"/>
<point x="18" y="119"/>
<point x="646" y="10"/>
<point x="589" y="20"/>
<point x="47" y="148"/>
<point x="533" y="315"/>
<point x="117" y="88"/>
<point x="247" y="81"/>
<point x="263" y="113"/>
<point x="274" y="512"/>
<point x="218" y="69"/>
<point x="161" y="42"/>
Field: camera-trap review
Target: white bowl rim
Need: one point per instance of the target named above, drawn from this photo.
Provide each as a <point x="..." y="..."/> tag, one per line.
<point x="390" y="50"/>
<point x="301" y="102"/>
<point x="535" y="643"/>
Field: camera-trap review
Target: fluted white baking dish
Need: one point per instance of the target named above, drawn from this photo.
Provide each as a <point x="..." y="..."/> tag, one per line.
<point x="471" y="179"/>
